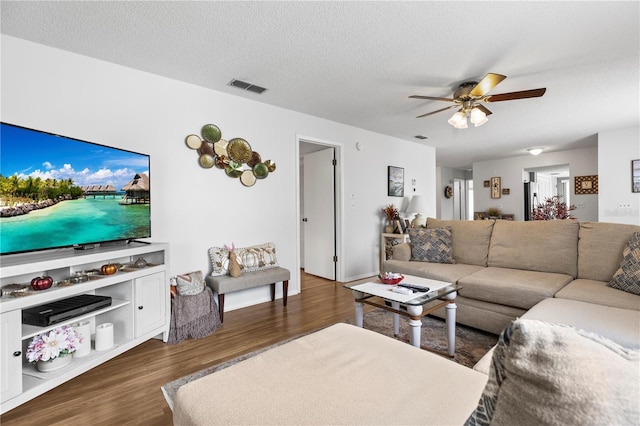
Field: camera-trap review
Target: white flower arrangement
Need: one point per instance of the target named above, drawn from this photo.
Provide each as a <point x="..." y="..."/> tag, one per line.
<point x="59" y="342"/>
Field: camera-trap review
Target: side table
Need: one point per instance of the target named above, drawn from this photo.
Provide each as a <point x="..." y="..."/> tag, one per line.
<point x="404" y="238"/>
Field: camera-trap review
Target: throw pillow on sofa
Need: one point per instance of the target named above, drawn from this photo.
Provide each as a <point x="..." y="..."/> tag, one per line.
<point x="431" y="245"/>
<point x="544" y="373"/>
<point x="251" y="259"/>
<point x="627" y="277"/>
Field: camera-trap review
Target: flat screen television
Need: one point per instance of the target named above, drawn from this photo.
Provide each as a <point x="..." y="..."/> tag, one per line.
<point x="57" y="191"/>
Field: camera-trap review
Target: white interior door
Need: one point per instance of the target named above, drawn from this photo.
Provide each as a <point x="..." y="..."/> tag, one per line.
<point x="318" y="214"/>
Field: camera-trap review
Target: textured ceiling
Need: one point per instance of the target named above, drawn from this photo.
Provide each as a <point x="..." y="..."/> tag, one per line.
<point x="357" y="62"/>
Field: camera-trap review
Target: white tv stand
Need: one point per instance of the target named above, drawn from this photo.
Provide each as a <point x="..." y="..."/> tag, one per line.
<point x="140" y="309"/>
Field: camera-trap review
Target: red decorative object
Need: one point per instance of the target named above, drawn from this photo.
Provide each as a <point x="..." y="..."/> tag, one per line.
<point x="390" y="279"/>
<point x="41" y="283"/>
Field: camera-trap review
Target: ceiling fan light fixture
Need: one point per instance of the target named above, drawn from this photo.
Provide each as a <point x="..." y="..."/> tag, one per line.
<point x="535" y="151"/>
<point x="478" y="117"/>
<point x="458" y="120"/>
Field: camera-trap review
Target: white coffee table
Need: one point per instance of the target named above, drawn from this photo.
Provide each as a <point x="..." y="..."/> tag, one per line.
<point x="440" y="294"/>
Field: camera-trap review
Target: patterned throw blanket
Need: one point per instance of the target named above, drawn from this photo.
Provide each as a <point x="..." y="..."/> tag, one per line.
<point x="193" y="316"/>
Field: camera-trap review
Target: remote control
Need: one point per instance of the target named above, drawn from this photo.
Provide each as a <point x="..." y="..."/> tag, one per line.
<point x="402" y="290"/>
<point x="417" y="288"/>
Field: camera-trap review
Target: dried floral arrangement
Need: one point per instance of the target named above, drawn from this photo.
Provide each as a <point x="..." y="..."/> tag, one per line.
<point x="391" y="212"/>
<point x="552" y="209"/>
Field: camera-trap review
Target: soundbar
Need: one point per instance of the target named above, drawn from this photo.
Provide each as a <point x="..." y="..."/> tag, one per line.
<point x="62" y="310"/>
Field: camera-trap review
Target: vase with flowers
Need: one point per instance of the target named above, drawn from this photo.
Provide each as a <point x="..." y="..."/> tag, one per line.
<point x="552" y="209"/>
<point x="391" y="213"/>
<point x="52" y="350"/>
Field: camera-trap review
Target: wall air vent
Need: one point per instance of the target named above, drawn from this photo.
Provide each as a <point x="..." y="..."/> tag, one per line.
<point x="247" y="86"/>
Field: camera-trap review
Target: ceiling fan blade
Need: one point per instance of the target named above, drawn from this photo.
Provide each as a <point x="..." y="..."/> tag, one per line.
<point x="435" y="112"/>
<point x="483" y="109"/>
<point x="432" y="98"/>
<point x="533" y="93"/>
<point x="489" y="81"/>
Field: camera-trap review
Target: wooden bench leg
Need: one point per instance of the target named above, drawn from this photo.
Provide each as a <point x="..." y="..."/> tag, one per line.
<point x="285" y="291"/>
<point x="221" y="306"/>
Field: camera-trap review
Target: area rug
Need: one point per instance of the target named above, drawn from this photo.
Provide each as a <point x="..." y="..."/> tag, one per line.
<point x="471" y="345"/>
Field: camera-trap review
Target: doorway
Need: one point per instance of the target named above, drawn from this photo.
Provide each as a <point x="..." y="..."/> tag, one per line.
<point x="319" y="230"/>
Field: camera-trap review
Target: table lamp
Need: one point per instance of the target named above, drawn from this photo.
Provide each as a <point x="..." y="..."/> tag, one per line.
<point x="417" y="205"/>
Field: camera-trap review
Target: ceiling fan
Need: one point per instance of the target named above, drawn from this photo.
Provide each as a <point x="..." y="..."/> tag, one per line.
<point x="469" y="96"/>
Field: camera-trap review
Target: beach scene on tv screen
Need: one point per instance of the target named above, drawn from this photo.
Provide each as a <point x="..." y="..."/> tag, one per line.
<point x="58" y="192"/>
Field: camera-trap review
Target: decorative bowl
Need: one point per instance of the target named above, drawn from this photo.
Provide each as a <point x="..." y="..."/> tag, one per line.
<point x="391" y="279"/>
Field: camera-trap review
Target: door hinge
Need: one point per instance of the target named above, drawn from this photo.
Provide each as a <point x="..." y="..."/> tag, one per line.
<point x="334" y="162"/>
<point x="335" y="258"/>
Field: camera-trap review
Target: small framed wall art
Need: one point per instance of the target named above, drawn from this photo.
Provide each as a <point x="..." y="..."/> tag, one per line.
<point x="635" y="176"/>
<point x="586" y="184"/>
<point x="395" y="181"/>
<point x="495" y="187"/>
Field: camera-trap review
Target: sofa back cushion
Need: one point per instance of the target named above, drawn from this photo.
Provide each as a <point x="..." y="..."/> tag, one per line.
<point x="470" y="239"/>
<point x="539" y="245"/>
<point x="600" y="248"/>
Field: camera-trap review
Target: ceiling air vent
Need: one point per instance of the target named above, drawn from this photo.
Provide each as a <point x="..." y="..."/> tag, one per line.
<point x="420" y="137"/>
<point x="247" y="86"/>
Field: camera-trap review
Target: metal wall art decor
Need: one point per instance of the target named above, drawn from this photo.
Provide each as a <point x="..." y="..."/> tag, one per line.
<point x="586" y="184"/>
<point x="235" y="156"/>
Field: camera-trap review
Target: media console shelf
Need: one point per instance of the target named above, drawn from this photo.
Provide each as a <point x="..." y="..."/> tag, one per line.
<point x="139" y="311"/>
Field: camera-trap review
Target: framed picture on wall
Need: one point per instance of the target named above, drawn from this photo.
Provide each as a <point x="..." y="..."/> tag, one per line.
<point x="395" y="181"/>
<point x="635" y="176"/>
<point x="496" y="187"/>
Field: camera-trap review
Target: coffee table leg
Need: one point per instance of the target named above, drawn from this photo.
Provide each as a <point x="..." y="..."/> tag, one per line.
<point x="451" y="326"/>
<point x="415" y="325"/>
<point x="359" y="308"/>
<point x="396" y="318"/>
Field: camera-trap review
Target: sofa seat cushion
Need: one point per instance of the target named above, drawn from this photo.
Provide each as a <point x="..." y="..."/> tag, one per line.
<point x="470" y="239"/>
<point x="512" y="287"/>
<point x="551" y="374"/>
<point x="450" y="273"/>
<point x="621" y="326"/>
<point x="598" y="292"/>
<point x="482" y="315"/>
<point x="539" y="245"/>
<point x="339" y="375"/>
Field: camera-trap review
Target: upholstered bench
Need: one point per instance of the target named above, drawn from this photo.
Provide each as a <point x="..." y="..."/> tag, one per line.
<point x="223" y="284"/>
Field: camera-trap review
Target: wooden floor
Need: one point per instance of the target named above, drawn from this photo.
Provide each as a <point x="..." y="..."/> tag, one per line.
<point x="126" y="389"/>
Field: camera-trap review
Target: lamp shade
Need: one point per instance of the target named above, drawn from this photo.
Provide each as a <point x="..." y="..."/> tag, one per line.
<point x="417" y="204"/>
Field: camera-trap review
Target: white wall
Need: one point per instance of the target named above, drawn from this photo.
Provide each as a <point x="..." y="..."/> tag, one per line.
<point x="582" y="162"/>
<point x="616" y="150"/>
<point x="194" y="208"/>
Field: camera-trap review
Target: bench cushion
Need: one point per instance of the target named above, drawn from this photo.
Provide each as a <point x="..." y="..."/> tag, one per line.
<point x="222" y="284"/>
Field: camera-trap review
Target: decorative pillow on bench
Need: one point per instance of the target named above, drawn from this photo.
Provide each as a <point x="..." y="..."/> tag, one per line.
<point x="544" y="373"/>
<point x="431" y="245"/>
<point x="627" y="277"/>
<point x="251" y="259"/>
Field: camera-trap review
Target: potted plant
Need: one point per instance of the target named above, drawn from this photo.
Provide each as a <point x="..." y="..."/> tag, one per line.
<point x="552" y="209"/>
<point x="52" y="350"/>
<point x="391" y="213"/>
<point x="493" y="212"/>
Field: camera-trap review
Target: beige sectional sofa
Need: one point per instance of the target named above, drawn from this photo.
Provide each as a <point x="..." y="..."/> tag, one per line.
<point x="572" y="357"/>
<point x="506" y="268"/>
